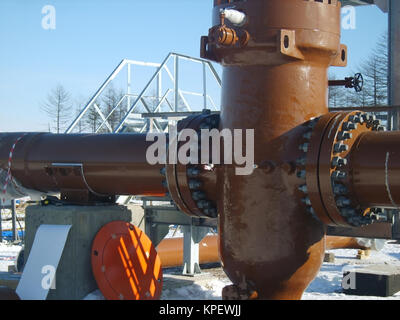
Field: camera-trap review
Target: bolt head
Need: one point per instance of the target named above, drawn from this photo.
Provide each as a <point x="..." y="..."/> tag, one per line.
<point x="307" y="135"/>
<point x="355" y="119"/>
<point x="304" y="147"/>
<point x="339" y="189"/>
<point x="301" y="174"/>
<point x="301" y="161"/>
<point x="339" y="175"/>
<point x="339" y="162"/>
<point x="344" y="135"/>
<point x="194" y="184"/>
<point x="381" y="128"/>
<point x="204" y="204"/>
<point x="347" y="212"/>
<point x="193" y="172"/>
<point x="340" y="147"/>
<point x="303" y="188"/>
<point x="349" y="126"/>
<point x="211" y="212"/>
<point x="343" y="202"/>
<point x="198" y="195"/>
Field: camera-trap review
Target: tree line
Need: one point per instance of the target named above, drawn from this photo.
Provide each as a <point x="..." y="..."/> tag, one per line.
<point x="375" y="69"/>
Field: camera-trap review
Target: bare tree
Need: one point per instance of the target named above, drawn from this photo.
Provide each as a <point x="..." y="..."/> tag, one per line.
<point x="375" y="72"/>
<point x="336" y="95"/>
<point x="110" y="101"/>
<point x="79" y="103"/>
<point x="58" y="107"/>
<point x="93" y="118"/>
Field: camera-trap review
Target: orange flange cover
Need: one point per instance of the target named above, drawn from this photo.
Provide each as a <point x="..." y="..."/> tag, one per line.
<point x="125" y="263"/>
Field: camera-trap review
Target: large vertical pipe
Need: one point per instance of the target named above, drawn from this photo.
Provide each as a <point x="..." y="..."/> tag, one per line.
<point x="271" y="248"/>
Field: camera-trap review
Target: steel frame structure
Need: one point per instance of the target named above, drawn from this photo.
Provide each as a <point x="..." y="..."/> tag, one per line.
<point x="167" y="96"/>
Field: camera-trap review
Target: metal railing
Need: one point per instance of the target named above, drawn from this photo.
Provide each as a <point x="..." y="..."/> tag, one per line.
<point x="168" y="98"/>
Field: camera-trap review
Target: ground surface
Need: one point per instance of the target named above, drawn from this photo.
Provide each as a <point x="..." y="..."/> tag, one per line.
<point x="327" y="285"/>
<point x="208" y="286"/>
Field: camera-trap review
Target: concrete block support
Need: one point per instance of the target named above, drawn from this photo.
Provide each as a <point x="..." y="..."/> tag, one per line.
<point x="377" y="280"/>
<point x="74" y="278"/>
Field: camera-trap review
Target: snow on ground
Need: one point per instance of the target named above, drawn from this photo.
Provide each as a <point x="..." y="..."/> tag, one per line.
<point x="327" y="285"/>
<point x="208" y="286"/>
<point x="8" y="255"/>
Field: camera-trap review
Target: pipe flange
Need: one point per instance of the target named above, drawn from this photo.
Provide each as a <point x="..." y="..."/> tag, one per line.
<point x="184" y="182"/>
<point x="350" y="128"/>
<point x="327" y="171"/>
<point x="301" y="163"/>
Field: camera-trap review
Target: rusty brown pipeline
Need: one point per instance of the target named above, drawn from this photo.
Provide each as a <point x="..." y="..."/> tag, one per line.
<point x="352" y="169"/>
<point x="171" y="251"/>
<point x="333" y="242"/>
<point x="78" y="164"/>
<point x="270" y="245"/>
<point x="375" y="163"/>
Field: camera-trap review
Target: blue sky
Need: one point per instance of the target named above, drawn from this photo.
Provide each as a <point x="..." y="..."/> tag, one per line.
<point x="93" y="36"/>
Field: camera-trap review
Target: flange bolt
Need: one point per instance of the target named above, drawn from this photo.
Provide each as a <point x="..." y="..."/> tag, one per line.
<point x="349" y="126"/>
<point x="340" y="147"/>
<point x="304" y="147"/>
<point x="347" y="212"/>
<point x="303" y="188"/>
<point x="343" y="202"/>
<point x="339" y="175"/>
<point x="193" y="172"/>
<point x="339" y="189"/>
<point x="344" y="135"/>
<point x="339" y="162"/>
<point x="301" y="174"/>
<point x="204" y="204"/>
<point x="194" y="184"/>
<point x="198" y="195"/>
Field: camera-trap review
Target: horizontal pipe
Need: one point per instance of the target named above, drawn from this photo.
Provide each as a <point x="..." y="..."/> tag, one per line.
<point x="104" y="165"/>
<point x="171" y="251"/>
<point x="333" y="242"/>
<point x="375" y="174"/>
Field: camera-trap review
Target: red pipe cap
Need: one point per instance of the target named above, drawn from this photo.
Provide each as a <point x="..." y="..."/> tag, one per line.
<point x="125" y="263"/>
